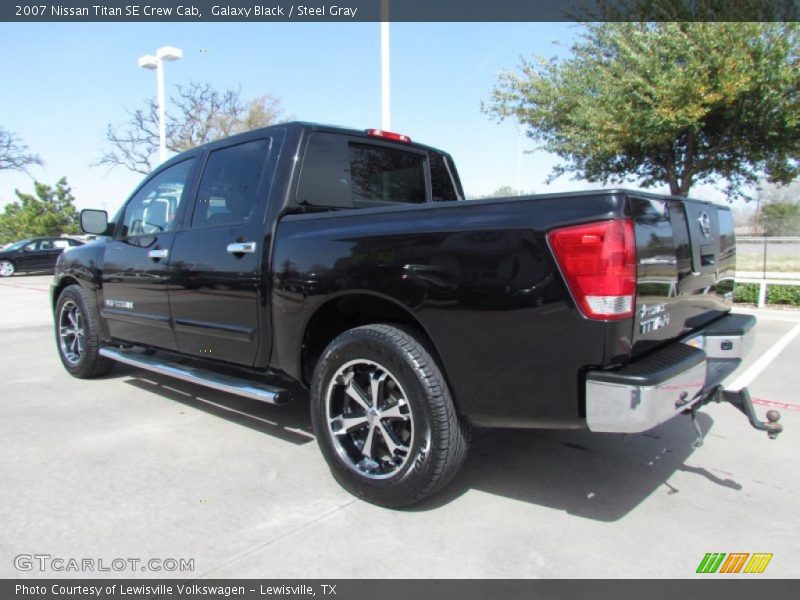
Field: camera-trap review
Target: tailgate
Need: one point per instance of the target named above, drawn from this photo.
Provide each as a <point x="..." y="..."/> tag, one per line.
<point x="686" y="259"/>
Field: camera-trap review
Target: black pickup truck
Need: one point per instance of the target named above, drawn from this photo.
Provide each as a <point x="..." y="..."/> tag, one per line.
<point x="348" y="263"/>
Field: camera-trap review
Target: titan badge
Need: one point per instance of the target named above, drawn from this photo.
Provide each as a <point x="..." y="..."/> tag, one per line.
<point x="652" y="317"/>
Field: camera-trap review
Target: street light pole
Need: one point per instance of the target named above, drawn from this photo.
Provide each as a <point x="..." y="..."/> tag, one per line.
<point x="165" y="53"/>
<point x="162" y="111"/>
<point x="519" y="157"/>
<point x="386" y="116"/>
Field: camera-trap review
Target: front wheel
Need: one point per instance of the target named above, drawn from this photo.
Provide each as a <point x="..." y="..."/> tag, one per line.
<point x="7" y="268"/>
<point x="77" y="335"/>
<point x="384" y="417"/>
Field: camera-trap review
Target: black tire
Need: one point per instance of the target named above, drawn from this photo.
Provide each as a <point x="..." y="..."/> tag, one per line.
<point x="80" y="358"/>
<point x="417" y="416"/>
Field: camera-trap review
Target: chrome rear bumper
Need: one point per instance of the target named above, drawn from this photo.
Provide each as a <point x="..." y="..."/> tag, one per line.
<point x="654" y="389"/>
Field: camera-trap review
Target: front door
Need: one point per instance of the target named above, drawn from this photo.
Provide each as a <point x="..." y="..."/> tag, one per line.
<point x="218" y="289"/>
<point x="136" y="264"/>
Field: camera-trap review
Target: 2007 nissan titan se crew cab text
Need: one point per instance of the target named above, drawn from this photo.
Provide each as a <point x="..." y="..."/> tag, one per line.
<point x="347" y="262"/>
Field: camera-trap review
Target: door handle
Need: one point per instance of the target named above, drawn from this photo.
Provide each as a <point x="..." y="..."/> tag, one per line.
<point x="156" y="254"/>
<point x="242" y="248"/>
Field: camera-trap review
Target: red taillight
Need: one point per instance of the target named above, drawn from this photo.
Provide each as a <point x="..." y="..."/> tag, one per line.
<point x="389" y="135"/>
<point x="598" y="261"/>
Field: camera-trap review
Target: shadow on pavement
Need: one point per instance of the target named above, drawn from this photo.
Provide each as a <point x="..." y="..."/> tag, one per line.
<point x="591" y="475"/>
<point x="290" y="423"/>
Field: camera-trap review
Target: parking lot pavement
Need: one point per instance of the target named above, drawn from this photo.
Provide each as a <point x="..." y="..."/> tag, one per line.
<point x="139" y="466"/>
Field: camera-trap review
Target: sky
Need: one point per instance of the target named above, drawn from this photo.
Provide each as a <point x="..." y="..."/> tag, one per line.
<point x="64" y="83"/>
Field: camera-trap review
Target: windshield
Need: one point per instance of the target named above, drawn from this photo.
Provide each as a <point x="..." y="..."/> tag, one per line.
<point x="18" y="245"/>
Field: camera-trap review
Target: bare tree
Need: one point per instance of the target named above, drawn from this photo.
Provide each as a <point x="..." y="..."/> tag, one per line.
<point x="197" y="114"/>
<point x="14" y="155"/>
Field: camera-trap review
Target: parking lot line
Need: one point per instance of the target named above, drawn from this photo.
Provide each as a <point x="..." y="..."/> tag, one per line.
<point x="771" y="403"/>
<point x="25" y="287"/>
<point x="762" y="363"/>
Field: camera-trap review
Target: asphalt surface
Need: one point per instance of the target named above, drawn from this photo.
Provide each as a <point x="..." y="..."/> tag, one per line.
<point x="136" y="466"/>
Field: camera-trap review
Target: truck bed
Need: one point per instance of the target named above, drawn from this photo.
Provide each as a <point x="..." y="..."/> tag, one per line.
<point x="481" y="280"/>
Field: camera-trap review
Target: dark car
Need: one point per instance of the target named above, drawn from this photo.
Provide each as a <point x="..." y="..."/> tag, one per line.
<point x="35" y="254"/>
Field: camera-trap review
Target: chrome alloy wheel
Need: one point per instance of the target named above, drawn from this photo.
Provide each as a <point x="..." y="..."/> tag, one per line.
<point x="6" y="268"/>
<point x="71" y="334"/>
<point x="369" y="419"/>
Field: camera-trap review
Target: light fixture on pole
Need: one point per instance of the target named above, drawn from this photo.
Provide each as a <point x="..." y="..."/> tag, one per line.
<point x="165" y="53"/>
<point x="386" y="117"/>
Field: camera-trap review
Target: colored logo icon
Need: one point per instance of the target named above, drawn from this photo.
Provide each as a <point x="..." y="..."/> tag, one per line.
<point x="734" y="562"/>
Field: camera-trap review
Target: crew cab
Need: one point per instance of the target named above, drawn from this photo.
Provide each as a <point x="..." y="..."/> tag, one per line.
<point x="348" y="263"/>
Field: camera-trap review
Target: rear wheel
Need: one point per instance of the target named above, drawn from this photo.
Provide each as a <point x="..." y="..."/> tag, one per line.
<point x="384" y="417"/>
<point x="77" y="335"/>
<point x="7" y="268"/>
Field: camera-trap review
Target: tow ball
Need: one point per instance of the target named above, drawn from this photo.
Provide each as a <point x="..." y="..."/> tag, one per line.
<point x="741" y="400"/>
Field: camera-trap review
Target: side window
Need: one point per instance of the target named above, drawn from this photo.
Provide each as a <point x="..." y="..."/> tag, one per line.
<point x="61" y="244"/>
<point x="152" y="210"/>
<point x="384" y="175"/>
<point x="325" y="178"/>
<point x="31" y="246"/>
<point x="442" y="186"/>
<point x="229" y="186"/>
<point x="46" y="245"/>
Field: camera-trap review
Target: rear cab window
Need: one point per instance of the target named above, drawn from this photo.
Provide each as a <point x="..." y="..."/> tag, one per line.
<point x="341" y="171"/>
<point x="444" y="183"/>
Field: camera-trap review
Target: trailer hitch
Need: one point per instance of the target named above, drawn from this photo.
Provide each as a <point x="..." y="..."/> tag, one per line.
<point x="699" y="439"/>
<point x="741" y="400"/>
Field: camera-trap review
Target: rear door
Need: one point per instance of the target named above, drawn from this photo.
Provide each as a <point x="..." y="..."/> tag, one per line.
<point x="135" y="271"/>
<point x="219" y="289"/>
<point x="686" y="265"/>
<point x="32" y="257"/>
<point x="47" y="254"/>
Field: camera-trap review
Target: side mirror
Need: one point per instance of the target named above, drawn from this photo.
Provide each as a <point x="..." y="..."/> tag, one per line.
<point x="94" y="221"/>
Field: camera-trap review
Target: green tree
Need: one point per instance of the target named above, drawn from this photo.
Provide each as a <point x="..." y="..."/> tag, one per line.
<point x="49" y="211"/>
<point x="504" y="191"/>
<point x="781" y="218"/>
<point x="197" y="113"/>
<point x="665" y="103"/>
<point x="780" y="209"/>
<point x="685" y="10"/>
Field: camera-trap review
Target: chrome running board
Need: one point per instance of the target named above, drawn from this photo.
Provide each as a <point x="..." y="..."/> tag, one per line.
<point x="217" y="381"/>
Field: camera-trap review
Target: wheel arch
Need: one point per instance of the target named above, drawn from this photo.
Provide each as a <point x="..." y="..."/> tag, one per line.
<point x="350" y="310"/>
<point x="59" y="287"/>
<point x="67" y="280"/>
